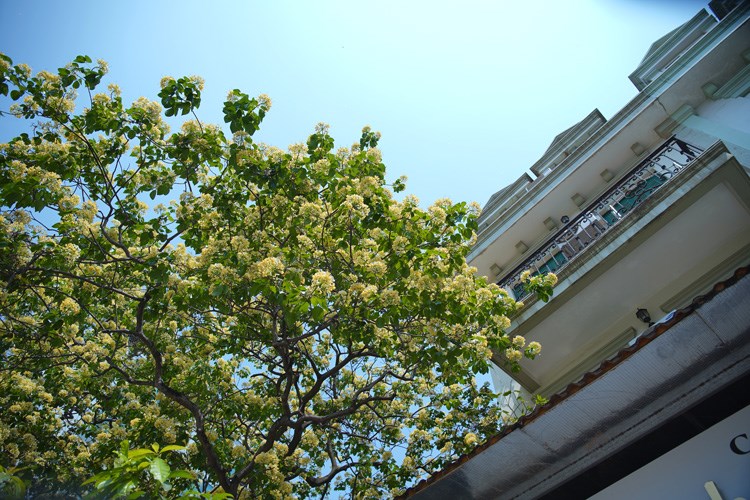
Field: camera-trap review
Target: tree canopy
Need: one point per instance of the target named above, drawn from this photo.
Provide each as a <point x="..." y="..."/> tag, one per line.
<point x="278" y="312"/>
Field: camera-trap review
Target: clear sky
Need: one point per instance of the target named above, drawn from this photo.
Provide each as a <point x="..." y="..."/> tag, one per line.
<point x="466" y="94"/>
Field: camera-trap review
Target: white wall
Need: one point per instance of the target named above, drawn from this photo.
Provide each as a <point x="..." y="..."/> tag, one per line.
<point x="683" y="472"/>
<point x="725" y="119"/>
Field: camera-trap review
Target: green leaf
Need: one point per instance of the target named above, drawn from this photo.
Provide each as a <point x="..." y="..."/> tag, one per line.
<point x="140" y="452"/>
<point x="159" y="470"/>
<point x="318" y="313"/>
<point x="173" y="447"/>
<point x="97" y="477"/>
<point x="14" y="488"/>
<point x="181" y="473"/>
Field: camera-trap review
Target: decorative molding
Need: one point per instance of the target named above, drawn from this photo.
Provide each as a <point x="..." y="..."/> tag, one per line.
<point x="567" y="141"/>
<point x="638" y="148"/>
<point x="709" y="89"/>
<point x="666" y="128"/>
<point x="578" y="199"/>
<point x="502" y="199"/>
<point x="522" y="247"/>
<point x="607" y="175"/>
<point x="666" y="50"/>
<point x="550" y="223"/>
<point x="496" y="270"/>
<point x="737" y="86"/>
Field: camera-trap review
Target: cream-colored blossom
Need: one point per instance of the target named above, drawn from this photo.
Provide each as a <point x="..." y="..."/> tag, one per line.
<point x="152" y="109"/>
<point x="321" y="166"/>
<point x="166" y="81"/>
<point x="67" y="203"/>
<point x="513" y="355"/>
<point x="374" y="155"/>
<point x="69" y="306"/>
<point x="437" y="214"/>
<point x="265" y="101"/>
<point x="322" y="283"/>
<point x="114" y="89"/>
<point x="70" y="252"/>
<point x="198" y="81"/>
<point x="101" y="99"/>
<point x="534" y="348"/>
<point x="377" y="267"/>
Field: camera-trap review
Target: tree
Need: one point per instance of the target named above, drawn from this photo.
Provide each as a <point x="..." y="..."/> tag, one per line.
<point x="279" y="313"/>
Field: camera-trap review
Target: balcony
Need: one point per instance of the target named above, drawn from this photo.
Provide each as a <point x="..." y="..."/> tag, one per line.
<point x="659" y="168"/>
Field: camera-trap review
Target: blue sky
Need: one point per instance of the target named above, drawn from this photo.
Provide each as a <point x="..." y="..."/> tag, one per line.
<point x="466" y="94"/>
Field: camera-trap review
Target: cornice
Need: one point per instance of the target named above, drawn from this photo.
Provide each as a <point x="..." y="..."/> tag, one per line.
<point x="656" y="55"/>
<point x="564" y="140"/>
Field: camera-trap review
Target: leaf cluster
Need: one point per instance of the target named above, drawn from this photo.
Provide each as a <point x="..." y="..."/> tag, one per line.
<point x="125" y="479"/>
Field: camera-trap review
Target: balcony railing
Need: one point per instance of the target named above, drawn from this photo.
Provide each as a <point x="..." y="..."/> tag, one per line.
<point x="604" y="213"/>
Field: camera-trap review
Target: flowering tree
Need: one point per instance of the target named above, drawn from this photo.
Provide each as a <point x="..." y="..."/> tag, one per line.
<point x="279" y="313"/>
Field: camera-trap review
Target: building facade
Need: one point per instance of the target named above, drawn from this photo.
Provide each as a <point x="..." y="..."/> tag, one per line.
<point x="643" y="211"/>
<point x="645" y="219"/>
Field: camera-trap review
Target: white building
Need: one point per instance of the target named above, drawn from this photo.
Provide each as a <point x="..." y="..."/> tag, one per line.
<point x="641" y="213"/>
<point x="645" y="210"/>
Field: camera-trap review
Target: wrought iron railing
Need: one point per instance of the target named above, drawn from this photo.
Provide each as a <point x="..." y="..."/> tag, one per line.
<point x="573" y="238"/>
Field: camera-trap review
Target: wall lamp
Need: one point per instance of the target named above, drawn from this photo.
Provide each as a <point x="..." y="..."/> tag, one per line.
<point x="643" y="315"/>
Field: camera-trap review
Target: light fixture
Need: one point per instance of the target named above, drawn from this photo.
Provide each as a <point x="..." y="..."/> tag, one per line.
<point x="564" y="219"/>
<point x="643" y="315"/>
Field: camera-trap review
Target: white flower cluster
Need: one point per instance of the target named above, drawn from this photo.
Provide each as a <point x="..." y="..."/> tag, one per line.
<point x="534" y="348"/>
<point x="322" y="283"/>
<point x="267" y="267"/>
<point x="513" y="355"/>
